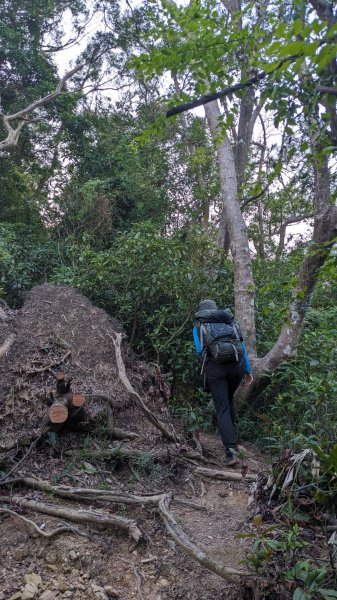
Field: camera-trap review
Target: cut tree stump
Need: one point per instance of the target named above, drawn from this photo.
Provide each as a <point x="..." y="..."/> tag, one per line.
<point x="58" y="412"/>
<point x="62" y="386"/>
<point x="78" y="400"/>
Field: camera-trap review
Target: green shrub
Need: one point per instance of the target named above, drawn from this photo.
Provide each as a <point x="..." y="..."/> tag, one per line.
<point x="300" y="403"/>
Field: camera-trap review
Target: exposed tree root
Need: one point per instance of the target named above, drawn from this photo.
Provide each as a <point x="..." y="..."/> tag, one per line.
<point x="81" y="516"/>
<point x="91" y="493"/>
<point x="103" y="495"/>
<point x="161" y="501"/>
<point x="114" y="432"/>
<point x="137" y="576"/>
<point x="6" y="345"/>
<point x="117" y="340"/>
<point x="179" y="536"/>
<point x="36" y="528"/>
<point x="224" y="475"/>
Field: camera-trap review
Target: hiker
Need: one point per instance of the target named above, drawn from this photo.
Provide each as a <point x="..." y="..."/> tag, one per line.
<point x="218" y="342"/>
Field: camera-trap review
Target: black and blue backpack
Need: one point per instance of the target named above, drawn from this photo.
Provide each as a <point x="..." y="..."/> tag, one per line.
<point x="220" y="335"/>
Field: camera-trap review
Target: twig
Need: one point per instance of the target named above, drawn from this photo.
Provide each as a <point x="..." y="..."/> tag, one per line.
<point x="191" y="504"/>
<point x="195" y="437"/>
<point x="190" y="483"/>
<point x="45" y="534"/>
<point x="49" y="367"/>
<point x="16" y="466"/>
<point x="137" y="576"/>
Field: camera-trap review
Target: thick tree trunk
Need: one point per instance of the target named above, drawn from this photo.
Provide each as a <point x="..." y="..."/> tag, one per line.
<point x="325" y="231"/>
<point x="243" y="276"/>
<point x="324" y="234"/>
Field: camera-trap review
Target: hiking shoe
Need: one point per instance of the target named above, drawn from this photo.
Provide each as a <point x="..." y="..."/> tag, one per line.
<point x="230" y="460"/>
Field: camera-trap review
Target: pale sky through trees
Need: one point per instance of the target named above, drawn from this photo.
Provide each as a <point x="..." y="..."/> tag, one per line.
<point x="65" y="59"/>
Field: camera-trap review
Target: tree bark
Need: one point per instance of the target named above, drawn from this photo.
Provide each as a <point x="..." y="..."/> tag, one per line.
<point x="324" y="235"/>
<point x="243" y="275"/>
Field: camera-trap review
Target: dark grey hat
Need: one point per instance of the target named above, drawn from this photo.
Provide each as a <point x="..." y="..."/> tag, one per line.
<point x="207" y="305"/>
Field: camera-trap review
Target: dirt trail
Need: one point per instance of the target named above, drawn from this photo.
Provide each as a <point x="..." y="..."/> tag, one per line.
<point x="71" y="566"/>
<point x="105" y="564"/>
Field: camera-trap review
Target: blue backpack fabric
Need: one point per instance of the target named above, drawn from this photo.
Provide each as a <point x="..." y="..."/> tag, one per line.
<point x="220" y="335"/>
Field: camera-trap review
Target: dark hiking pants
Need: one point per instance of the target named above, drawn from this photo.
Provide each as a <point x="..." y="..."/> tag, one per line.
<point x="222" y="381"/>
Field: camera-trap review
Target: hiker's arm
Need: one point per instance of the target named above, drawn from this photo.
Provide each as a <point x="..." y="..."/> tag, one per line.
<point x="246" y="365"/>
<point x="196" y="340"/>
<point x="247" y="376"/>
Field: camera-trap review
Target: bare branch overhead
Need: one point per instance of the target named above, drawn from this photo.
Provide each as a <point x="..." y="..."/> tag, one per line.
<point x="22" y="116"/>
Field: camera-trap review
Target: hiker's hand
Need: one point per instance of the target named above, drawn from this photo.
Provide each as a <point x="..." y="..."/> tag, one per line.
<point x="248" y="379"/>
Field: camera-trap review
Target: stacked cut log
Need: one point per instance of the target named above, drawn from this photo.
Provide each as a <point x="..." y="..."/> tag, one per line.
<point x="66" y="407"/>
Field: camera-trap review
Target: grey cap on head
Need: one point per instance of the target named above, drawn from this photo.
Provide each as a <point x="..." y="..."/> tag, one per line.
<point x="207" y="305"/>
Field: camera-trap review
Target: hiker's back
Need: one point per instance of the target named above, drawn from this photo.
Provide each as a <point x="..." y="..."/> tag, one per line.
<point x="220" y="335"/>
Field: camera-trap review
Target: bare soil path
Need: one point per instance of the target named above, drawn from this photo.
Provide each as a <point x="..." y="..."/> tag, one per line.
<point x="105" y="563"/>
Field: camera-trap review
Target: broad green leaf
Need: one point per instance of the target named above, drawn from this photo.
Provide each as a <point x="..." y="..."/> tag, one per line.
<point x="300" y="594"/>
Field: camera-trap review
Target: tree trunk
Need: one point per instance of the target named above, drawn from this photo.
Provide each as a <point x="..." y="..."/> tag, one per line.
<point x="324" y="235"/>
<point x="243" y="276"/>
<point x="325" y="231"/>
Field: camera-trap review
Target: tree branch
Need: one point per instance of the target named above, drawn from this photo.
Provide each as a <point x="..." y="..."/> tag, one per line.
<point x="324" y="89"/>
<point x="252" y="198"/>
<point x="23" y="115"/>
<point x="293" y="219"/>
<point x="175" y="110"/>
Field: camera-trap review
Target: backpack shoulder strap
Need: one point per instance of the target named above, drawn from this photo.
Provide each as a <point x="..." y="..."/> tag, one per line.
<point x="236" y="331"/>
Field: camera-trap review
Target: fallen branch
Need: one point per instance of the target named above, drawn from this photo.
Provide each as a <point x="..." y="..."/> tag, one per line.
<point x="195" y="456"/>
<point x="121" y="434"/>
<point x="45" y="534"/>
<point x="81" y="516"/>
<point x="114" y="432"/>
<point x="117" y="340"/>
<point x="6" y="345"/>
<point x="224" y="475"/>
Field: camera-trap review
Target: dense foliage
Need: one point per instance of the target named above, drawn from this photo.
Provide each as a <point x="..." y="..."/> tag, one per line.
<point x="104" y="194"/>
